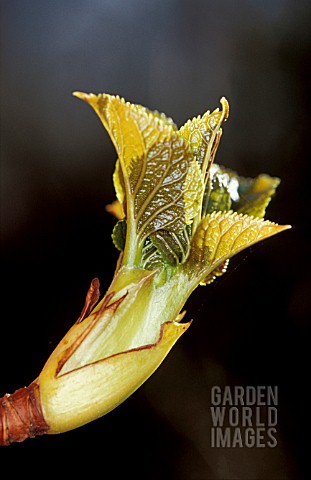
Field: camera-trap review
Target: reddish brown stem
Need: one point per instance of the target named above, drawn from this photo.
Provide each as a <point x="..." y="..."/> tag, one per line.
<point x="21" y="416"/>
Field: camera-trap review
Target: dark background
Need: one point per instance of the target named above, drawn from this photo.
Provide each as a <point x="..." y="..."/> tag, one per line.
<point x="252" y="326"/>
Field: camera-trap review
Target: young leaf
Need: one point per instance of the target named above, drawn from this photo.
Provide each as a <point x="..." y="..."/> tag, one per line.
<point x="118" y="182"/>
<point x="173" y="247"/>
<point x="119" y="234"/>
<point x="221" y="190"/>
<point x="168" y="192"/>
<point x="133" y="129"/>
<point x="222" y="235"/>
<point x="203" y="135"/>
<point x="151" y="257"/>
<point x="255" y="194"/>
<point x="157" y="179"/>
<point x="227" y="190"/>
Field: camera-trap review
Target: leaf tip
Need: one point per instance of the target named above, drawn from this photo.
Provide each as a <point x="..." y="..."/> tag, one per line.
<point x="285" y="227"/>
<point x="81" y="95"/>
<point x="225" y="108"/>
<point x="90" y="98"/>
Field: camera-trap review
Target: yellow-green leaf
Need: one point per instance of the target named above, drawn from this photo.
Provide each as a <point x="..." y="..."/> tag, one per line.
<point x="255" y="194"/>
<point x="118" y="182"/>
<point x="133" y="128"/>
<point x="156" y="171"/>
<point x="193" y="191"/>
<point x="222" y="235"/>
<point x="203" y="135"/>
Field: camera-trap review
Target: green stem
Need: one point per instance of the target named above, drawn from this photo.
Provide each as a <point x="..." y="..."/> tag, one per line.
<point x="152" y="300"/>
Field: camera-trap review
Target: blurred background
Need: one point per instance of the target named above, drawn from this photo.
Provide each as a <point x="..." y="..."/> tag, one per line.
<point x="252" y="326"/>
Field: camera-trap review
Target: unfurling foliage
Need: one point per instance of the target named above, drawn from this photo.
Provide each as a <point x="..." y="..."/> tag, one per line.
<point x="180" y="218"/>
<point x="168" y="186"/>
